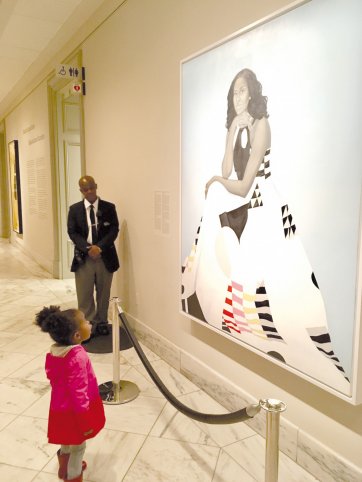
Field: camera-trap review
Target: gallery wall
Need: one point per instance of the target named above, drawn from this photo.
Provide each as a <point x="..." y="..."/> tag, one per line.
<point x="4" y="194"/>
<point x="132" y="130"/>
<point x="28" y="123"/>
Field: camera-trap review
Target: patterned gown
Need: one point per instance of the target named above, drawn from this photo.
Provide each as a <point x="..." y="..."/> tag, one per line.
<point x="248" y="276"/>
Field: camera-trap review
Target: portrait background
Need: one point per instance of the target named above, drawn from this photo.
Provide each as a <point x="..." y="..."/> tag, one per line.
<point x="309" y="63"/>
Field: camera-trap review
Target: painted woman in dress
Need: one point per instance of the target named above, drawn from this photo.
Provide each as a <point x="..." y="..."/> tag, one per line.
<point x="247" y="123"/>
<point x="247" y="274"/>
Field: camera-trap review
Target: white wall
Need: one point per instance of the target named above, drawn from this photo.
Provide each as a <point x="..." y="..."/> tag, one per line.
<point x="132" y="148"/>
<point x="29" y="124"/>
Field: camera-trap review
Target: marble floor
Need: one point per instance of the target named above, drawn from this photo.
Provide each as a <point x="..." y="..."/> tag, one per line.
<point x="144" y="440"/>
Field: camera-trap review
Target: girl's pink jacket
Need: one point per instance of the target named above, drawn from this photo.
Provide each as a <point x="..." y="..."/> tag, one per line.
<point x="76" y="406"/>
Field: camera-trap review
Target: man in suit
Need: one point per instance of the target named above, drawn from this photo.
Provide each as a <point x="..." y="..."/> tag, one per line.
<point x="93" y="227"/>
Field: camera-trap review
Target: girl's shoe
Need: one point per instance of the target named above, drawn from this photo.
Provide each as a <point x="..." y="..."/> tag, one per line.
<point x="77" y="479"/>
<point x="63" y="464"/>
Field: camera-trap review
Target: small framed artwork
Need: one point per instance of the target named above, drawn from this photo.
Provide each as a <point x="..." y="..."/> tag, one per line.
<point x="15" y="191"/>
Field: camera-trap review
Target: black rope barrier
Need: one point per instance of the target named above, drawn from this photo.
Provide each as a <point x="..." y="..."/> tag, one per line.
<point x="226" y="418"/>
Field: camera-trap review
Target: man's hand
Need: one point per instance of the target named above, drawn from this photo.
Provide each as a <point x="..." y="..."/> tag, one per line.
<point x="94" y="252"/>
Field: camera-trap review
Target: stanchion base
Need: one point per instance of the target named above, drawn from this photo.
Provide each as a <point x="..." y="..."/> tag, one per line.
<point x="103" y="344"/>
<point x="128" y="391"/>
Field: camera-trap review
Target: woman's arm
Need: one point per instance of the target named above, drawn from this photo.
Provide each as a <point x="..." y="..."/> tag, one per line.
<point x="239" y="122"/>
<point x="260" y="138"/>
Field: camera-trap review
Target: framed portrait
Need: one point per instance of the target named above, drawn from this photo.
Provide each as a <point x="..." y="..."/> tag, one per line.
<point x="15" y="191"/>
<point x="271" y="191"/>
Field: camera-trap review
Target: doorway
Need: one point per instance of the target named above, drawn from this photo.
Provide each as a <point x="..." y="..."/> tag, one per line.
<point x="67" y="126"/>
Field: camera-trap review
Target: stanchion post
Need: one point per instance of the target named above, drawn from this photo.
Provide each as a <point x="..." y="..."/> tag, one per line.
<point x="115" y="344"/>
<point x="273" y="409"/>
<point x="117" y="391"/>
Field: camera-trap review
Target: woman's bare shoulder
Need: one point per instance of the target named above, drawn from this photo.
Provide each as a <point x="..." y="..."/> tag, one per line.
<point x="263" y="122"/>
<point x="261" y="128"/>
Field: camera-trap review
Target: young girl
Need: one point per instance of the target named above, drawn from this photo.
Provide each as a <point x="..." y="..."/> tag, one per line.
<point x="76" y="411"/>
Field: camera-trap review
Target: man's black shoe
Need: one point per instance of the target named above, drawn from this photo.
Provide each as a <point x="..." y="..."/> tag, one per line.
<point x="102" y="329"/>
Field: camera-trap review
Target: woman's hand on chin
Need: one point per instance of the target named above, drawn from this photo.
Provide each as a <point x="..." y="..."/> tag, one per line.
<point x="242" y="120"/>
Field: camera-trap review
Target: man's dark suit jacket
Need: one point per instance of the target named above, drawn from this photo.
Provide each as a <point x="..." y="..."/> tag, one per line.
<point x="108" y="227"/>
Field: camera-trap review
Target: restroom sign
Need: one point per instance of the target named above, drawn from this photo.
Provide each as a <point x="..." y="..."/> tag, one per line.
<point x="70" y="71"/>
